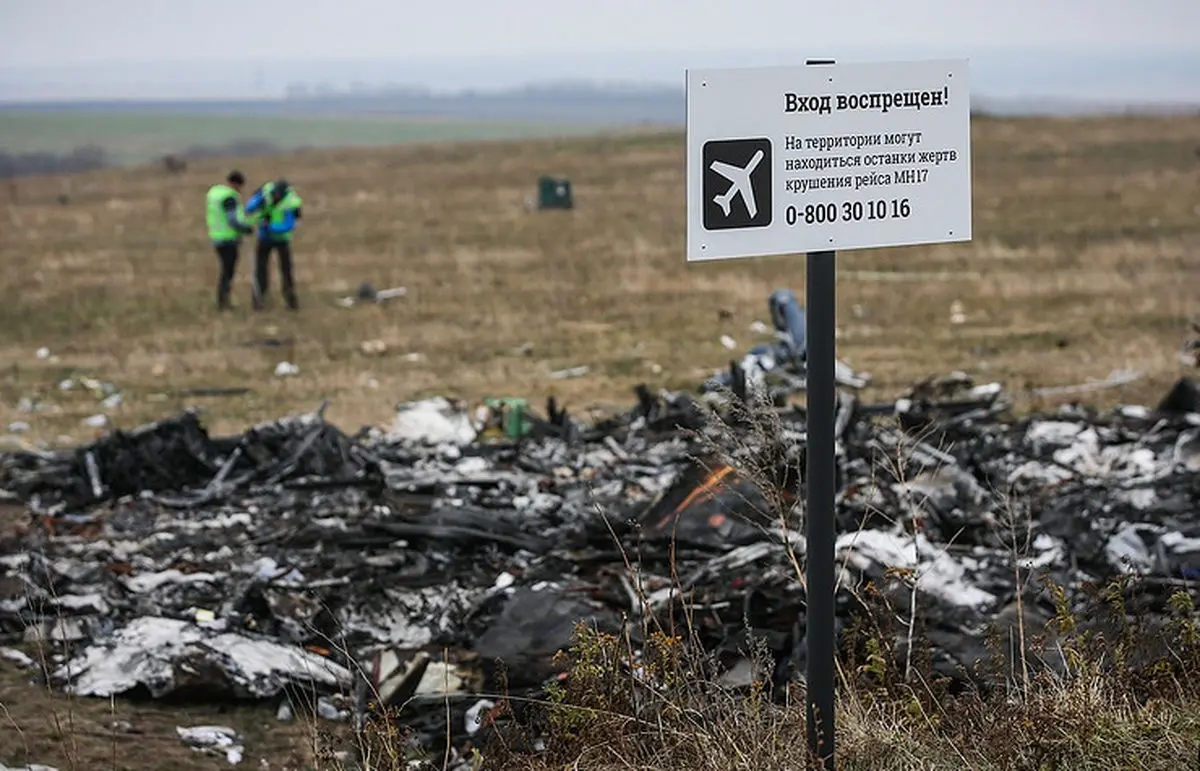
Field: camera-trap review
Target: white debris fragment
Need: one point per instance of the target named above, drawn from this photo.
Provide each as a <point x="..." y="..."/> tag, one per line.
<point x="17" y="657"/>
<point x="440" y="679"/>
<point x="1140" y="498"/>
<point x="435" y="421"/>
<point x="759" y="328"/>
<point x="286" y="369"/>
<point x="984" y="391"/>
<point x="43" y="352"/>
<point x="97" y="386"/>
<point x="96" y="421"/>
<point x="1127" y="551"/>
<point x="1179" y="544"/>
<point x="92" y="603"/>
<point x="1051" y="552"/>
<point x="213" y="737"/>
<point x="570" y="373"/>
<point x="60" y="630"/>
<point x="728" y="342"/>
<point x="472" y="465"/>
<point x="328" y="710"/>
<point x="147" y="582"/>
<point x="373" y="347"/>
<point x="267" y="569"/>
<point x="368" y="294"/>
<point x="474" y="716"/>
<point x="1077" y="450"/>
<point x="958" y="314"/>
<point x="148" y="651"/>
<point x="938" y="573"/>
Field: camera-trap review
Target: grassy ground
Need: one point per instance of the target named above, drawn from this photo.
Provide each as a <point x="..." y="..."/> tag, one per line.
<point x="137" y="137"/>
<point x="1085" y="260"/>
<point x="38" y="727"/>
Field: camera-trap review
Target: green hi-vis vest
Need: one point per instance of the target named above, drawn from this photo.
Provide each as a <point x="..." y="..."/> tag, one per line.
<point x="272" y="214"/>
<point x="218" y="226"/>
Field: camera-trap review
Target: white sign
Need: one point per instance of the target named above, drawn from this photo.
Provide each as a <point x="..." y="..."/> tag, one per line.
<point x="783" y="160"/>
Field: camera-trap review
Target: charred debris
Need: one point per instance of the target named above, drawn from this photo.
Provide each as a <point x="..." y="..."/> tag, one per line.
<point x="422" y="564"/>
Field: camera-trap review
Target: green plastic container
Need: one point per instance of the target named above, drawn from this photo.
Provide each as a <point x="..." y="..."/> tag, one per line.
<point x="512" y="411"/>
<point x="555" y="193"/>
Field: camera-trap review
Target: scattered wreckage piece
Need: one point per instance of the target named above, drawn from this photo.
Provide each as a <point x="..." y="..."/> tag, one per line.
<point x="433" y="564"/>
<point x="167" y="455"/>
<point x="169" y="656"/>
<point x="780" y="368"/>
<point x="213" y="739"/>
<point x="177" y="463"/>
<point x="367" y="293"/>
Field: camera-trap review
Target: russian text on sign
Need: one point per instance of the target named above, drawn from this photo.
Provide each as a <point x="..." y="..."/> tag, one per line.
<point x="814" y="152"/>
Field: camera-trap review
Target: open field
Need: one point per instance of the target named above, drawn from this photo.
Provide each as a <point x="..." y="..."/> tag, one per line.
<point x="1086" y="260"/>
<point x="131" y="137"/>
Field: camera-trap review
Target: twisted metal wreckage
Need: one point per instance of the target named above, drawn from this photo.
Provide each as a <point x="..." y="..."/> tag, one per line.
<point x="409" y="565"/>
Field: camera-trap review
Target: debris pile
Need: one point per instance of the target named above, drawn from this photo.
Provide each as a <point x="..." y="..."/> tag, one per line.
<point x="779" y="368"/>
<point x="437" y="563"/>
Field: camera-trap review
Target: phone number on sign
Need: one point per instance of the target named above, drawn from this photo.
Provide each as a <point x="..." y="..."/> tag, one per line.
<point x="849" y="211"/>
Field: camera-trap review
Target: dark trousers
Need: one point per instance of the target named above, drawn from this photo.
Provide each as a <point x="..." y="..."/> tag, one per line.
<point x="227" y="252"/>
<point x="262" y="260"/>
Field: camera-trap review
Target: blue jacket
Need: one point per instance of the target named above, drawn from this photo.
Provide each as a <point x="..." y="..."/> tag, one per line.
<point x="268" y="229"/>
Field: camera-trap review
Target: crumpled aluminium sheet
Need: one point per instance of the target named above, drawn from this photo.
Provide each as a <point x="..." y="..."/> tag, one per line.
<point x="164" y="654"/>
<point x="291" y="555"/>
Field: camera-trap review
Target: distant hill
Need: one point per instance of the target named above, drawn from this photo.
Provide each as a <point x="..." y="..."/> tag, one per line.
<point x="549" y="102"/>
<point x="553" y="102"/>
<point x="538" y="103"/>
<point x="58" y="137"/>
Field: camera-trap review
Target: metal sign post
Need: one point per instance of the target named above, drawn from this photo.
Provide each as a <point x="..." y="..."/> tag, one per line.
<point x="821" y="535"/>
<point x="814" y="159"/>
<point x="821" y="532"/>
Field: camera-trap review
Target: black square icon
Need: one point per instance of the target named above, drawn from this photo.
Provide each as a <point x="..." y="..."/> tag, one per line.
<point x="737" y="183"/>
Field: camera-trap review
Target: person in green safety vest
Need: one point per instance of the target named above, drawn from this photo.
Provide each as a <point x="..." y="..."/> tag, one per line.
<point x="276" y="207"/>
<point x="226" y="226"/>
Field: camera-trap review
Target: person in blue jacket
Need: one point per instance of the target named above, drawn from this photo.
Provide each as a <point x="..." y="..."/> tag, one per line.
<point x="275" y="208"/>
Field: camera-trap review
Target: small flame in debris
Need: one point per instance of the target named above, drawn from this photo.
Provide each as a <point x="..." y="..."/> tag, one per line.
<point x="706" y="490"/>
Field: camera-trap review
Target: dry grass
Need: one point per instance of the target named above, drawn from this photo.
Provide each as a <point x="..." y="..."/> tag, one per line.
<point x="608" y="719"/>
<point x="1084" y="261"/>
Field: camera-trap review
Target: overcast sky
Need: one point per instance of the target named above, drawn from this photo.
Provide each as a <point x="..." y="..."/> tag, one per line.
<point x="36" y="33"/>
